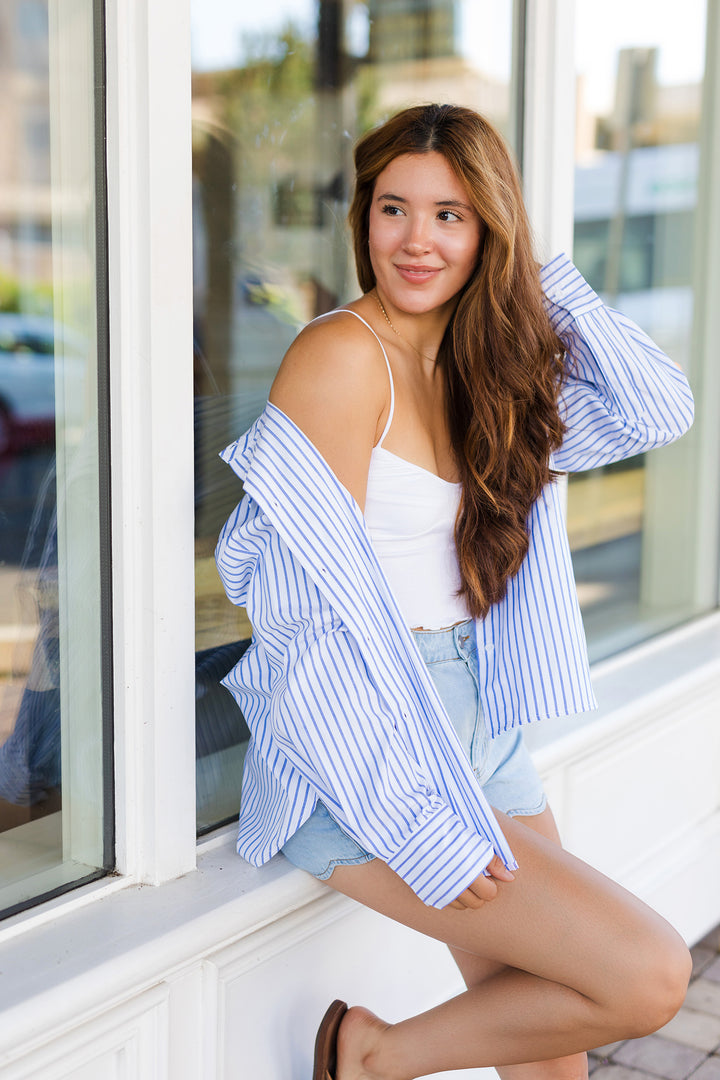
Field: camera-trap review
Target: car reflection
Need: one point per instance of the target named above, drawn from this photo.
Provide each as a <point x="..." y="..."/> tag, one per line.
<point x="29" y="348"/>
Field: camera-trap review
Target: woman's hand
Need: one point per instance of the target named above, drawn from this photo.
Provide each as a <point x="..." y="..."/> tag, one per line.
<point x="483" y="888"/>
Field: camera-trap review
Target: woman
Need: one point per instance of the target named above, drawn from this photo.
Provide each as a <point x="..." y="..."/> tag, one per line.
<point x="403" y="560"/>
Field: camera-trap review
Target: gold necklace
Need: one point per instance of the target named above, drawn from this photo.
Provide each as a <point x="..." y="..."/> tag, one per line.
<point x="394" y="329"/>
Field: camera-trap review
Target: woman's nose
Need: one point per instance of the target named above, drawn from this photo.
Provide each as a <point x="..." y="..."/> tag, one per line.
<point x="418" y="238"/>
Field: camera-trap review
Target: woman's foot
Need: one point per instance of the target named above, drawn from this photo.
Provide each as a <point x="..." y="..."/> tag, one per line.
<point x="359" y="1046"/>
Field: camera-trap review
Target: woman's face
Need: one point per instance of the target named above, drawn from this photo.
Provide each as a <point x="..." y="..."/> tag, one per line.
<point x="424" y="234"/>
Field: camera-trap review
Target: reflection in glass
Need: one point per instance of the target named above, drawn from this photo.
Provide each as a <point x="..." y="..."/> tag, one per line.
<point x="52" y="826"/>
<point x="638" y="156"/>
<point x="280" y="95"/>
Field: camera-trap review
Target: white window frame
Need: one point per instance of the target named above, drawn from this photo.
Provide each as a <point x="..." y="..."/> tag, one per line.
<point x="150" y="259"/>
<point x="549" y="115"/>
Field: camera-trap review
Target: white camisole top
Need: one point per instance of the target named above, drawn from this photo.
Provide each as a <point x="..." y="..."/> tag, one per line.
<point x="410" y="514"/>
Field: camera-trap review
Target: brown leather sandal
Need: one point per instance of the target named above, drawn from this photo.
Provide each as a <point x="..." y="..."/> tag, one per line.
<point x="326" y="1042"/>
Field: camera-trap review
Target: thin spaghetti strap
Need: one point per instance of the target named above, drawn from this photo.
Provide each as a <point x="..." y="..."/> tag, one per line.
<point x="392" y="384"/>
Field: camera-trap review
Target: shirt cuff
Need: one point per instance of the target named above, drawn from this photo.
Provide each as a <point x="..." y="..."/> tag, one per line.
<point x="441" y="858"/>
<point x="566" y="288"/>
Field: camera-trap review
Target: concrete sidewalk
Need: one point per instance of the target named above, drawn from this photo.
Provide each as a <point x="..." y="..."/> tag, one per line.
<point x="689" y="1046"/>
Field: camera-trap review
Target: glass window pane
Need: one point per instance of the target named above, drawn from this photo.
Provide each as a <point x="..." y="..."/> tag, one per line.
<point x="53" y="770"/>
<point x="634" y="526"/>
<point x="281" y="92"/>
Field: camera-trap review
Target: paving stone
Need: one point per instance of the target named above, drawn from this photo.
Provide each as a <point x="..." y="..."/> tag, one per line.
<point x="702" y="955"/>
<point x="619" y="1072"/>
<point x="713" y="971"/>
<point x="661" y="1057"/>
<point x="704" y="996"/>
<point x="605" y="1051"/>
<point x="712" y="940"/>
<point x="696" y="1029"/>
<point x="710" y="1070"/>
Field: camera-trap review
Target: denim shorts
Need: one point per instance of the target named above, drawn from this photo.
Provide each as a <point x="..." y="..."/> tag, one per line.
<point x="503" y="765"/>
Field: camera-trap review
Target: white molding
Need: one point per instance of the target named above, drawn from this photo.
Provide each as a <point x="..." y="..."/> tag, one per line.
<point x="75" y="968"/>
<point x="150" y="263"/>
<point x="549" y="127"/>
<point x="33" y="918"/>
<point x="129" y="1041"/>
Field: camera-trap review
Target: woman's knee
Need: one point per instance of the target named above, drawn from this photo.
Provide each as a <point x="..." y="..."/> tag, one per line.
<point x="669" y="976"/>
<point x="655" y="988"/>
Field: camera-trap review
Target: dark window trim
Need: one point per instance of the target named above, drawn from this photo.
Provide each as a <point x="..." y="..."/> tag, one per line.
<point x="104" y="433"/>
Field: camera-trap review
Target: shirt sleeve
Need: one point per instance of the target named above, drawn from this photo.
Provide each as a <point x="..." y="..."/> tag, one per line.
<point x="330" y="722"/>
<point x="622" y="395"/>
<point x="339" y="733"/>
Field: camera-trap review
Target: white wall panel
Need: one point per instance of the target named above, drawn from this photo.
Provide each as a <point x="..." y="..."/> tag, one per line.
<point x="127" y="1043"/>
<point x="192" y="1022"/>
<point x="641" y="800"/>
<point x="274" y="988"/>
<point x="639" y="796"/>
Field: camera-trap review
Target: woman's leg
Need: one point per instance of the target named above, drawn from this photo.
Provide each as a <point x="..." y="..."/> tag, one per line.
<point x="505" y="770"/>
<point x="475" y="971"/>
<point x="582" y="962"/>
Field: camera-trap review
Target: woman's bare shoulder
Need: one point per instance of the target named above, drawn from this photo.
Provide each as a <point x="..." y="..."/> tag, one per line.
<point x="336" y="343"/>
<point x="333" y="383"/>
<point x="334" y="360"/>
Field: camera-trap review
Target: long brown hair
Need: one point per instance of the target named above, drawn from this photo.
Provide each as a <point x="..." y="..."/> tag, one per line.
<point x="501" y="357"/>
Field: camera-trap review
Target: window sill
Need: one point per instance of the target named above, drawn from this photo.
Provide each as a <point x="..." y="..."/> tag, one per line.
<point x="115" y="939"/>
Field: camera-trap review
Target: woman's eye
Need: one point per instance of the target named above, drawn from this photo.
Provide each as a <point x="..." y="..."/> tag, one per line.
<point x="449" y="215"/>
<point x="391" y="211"/>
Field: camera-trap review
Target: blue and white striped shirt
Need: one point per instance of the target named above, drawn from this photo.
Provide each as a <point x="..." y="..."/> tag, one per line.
<point x="339" y="703"/>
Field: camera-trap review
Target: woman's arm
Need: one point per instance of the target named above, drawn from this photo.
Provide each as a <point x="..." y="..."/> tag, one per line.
<point x="622" y="395"/>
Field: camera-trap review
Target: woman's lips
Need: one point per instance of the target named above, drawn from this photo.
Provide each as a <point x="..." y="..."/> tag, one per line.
<point x="417" y="274"/>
